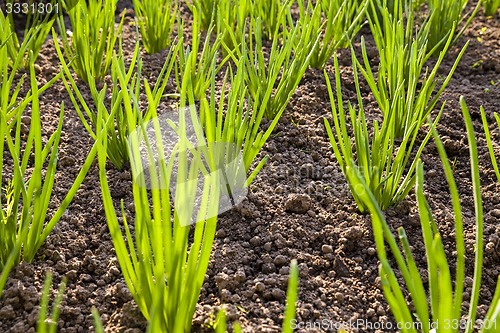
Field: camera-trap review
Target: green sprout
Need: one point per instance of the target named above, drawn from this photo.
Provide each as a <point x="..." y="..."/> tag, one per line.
<point x="441" y="302"/>
<point x="93" y="37"/>
<point x="155" y="20"/>
<point x="387" y="168"/>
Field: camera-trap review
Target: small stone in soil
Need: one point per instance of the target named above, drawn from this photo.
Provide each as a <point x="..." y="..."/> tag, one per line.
<point x="7" y="312"/>
<point x="327" y="248"/>
<point x="278" y="294"/>
<point x="298" y="203"/>
<point x="354" y="233"/>
<point x="260" y="287"/>
<point x="307" y="170"/>
<point x="268" y="268"/>
<point x="280" y="260"/>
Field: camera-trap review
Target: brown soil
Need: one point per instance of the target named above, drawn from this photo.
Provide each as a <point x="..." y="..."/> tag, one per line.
<point x="298" y="207"/>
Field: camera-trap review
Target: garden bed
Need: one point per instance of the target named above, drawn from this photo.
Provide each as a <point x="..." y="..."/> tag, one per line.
<point x="298" y="207"/>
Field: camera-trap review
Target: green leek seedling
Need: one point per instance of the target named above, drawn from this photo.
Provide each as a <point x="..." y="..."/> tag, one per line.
<point x="491" y="7"/>
<point x="208" y="12"/>
<point x="230" y="120"/>
<point x="119" y="128"/>
<point x="337" y="22"/>
<point x="155" y="321"/>
<point x="163" y="269"/>
<point x="445" y="17"/>
<point x="202" y="66"/>
<point x="235" y="118"/>
<point x="7" y="42"/>
<point x="35" y="34"/>
<point x="287" y="60"/>
<point x="10" y="103"/>
<point x="403" y="88"/>
<point x="97" y="321"/>
<point x="11" y="111"/>
<point x="93" y="37"/>
<point x="291" y="298"/>
<point x="384" y="165"/>
<point x="24" y="211"/>
<point x="231" y="23"/>
<point x="489" y="141"/>
<point x="155" y="20"/>
<point x="204" y="11"/>
<point x="433" y="310"/>
<point x="49" y="325"/>
<point x="272" y="14"/>
<point x="162" y="261"/>
<point x="9" y="92"/>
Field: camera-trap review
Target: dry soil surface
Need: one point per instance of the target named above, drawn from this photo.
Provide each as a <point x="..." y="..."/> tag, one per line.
<point x="298" y="207"/>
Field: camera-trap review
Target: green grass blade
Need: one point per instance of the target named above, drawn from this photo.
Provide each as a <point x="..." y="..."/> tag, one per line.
<point x="490" y="143"/>
<point x="291" y="298"/>
<point x="478" y="210"/>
